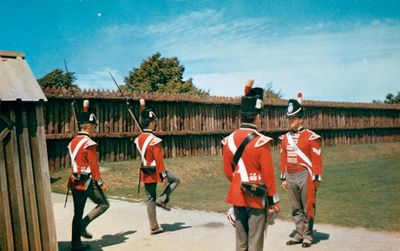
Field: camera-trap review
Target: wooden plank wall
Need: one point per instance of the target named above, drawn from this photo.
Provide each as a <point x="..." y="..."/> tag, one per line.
<point x="26" y="210"/>
<point x="192" y="128"/>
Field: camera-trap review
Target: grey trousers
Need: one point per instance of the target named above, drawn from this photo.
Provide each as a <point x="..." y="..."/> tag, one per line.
<point x="174" y="181"/>
<point x="297" y="191"/>
<point x="250" y="225"/>
<point x="151" y="189"/>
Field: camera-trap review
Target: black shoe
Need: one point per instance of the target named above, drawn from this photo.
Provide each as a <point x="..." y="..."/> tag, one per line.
<point x="157" y="231"/>
<point x="164" y="206"/>
<point x="86" y="234"/>
<point x="306" y="244"/>
<point x="80" y="247"/>
<point x="293" y="242"/>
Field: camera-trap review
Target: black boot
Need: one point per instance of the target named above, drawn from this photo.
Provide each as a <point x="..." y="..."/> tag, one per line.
<point x="84" y="233"/>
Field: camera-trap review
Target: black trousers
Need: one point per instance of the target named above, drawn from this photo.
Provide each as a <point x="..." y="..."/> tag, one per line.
<point x="97" y="195"/>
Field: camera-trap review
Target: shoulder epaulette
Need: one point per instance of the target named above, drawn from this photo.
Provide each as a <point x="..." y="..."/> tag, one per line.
<point x="224" y="141"/>
<point x="262" y="140"/>
<point x="155" y="141"/>
<point x="281" y="137"/>
<point x="89" y="143"/>
<point x="313" y="135"/>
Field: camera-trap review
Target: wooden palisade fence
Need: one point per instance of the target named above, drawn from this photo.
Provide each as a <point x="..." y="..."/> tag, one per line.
<point x="195" y="125"/>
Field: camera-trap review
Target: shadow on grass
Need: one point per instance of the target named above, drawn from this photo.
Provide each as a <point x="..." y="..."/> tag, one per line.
<point x="317" y="236"/>
<point x="105" y="241"/>
<point x="174" y="227"/>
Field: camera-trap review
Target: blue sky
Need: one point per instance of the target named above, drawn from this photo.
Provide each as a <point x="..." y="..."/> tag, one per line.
<point x="340" y="50"/>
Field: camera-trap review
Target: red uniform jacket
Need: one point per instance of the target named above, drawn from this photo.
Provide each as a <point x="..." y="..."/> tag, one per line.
<point x="257" y="160"/>
<point x="310" y="144"/>
<point x="85" y="158"/>
<point x="149" y="146"/>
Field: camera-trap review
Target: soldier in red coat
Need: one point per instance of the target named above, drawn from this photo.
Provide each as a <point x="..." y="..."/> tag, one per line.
<point x="248" y="166"/>
<point x="85" y="181"/>
<point x="152" y="168"/>
<point x="301" y="170"/>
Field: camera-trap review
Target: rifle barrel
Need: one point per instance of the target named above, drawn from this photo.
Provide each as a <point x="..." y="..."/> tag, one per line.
<point x="127" y="103"/>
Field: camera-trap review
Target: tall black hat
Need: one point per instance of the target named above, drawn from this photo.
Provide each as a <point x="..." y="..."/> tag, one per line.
<point x="252" y="101"/>
<point x="87" y="116"/>
<point x="294" y="106"/>
<point x="147" y="113"/>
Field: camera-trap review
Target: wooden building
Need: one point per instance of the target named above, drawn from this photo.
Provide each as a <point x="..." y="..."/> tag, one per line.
<point x="26" y="210"/>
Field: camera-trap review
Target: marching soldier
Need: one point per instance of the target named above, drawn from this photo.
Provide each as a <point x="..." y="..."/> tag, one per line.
<point x="248" y="166"/>
<point x="301" y="169"/>
<point x="152" y="169"/>
<point x="85" y="181"/>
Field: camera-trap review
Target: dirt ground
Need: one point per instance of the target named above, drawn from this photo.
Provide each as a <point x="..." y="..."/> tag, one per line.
<point x="125" y="227"/>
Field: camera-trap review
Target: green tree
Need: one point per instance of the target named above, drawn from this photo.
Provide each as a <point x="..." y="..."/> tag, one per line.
<point x="392" y="99"/>
<point x="159" y="74"/>
<point x="269" y="92"/>
<point x="58" y="78"/>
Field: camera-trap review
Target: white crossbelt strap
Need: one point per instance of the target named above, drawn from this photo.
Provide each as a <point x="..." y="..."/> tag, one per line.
<point x="300" y="154"/>
<point x="75" y="152"/>
<point x="242" y="168"/>
<point x="143" y="150"/>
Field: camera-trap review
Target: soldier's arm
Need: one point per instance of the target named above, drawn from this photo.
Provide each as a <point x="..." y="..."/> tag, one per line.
<point x="283" y="155"/>
<point x="94" y="163"/>
<point x="316" y="158"/>
<point x="267" y="171"/>
<point x="159" y="158"/>
<point x="227" y="161"/>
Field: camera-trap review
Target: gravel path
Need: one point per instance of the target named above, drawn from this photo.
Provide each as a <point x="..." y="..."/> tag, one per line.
<point x="125" y="227"/>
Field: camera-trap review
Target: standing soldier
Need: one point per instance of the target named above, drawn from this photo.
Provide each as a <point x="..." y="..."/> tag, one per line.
<point x="248" y="166"/>
<point x="301" y="169"/>
<point x="152" y="169"/>
<point x="85" y="178"/>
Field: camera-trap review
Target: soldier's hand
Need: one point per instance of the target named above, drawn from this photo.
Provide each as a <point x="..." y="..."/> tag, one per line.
<point x="165" y="181"/>
<point x="276" y="208"/>
<point x="285" y="185"/>
<point x="317" y="184"/>
<point x="104" y="187"/>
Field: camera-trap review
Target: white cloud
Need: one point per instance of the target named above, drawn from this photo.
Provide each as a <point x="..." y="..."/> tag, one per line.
<point x="346" y="61"/>
<point x="101" y="78"/>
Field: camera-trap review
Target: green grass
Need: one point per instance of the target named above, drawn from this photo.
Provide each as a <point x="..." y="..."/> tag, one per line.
<point x="361" y="185"/>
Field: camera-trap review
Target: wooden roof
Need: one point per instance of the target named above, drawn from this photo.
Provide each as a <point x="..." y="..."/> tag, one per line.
<point x="17" y="81"/>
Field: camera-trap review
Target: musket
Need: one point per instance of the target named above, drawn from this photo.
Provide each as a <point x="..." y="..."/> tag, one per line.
<point x="133" y="117"/>
<point x="128" y="105"/>
<point x="76" y="123"/>
<point x="73" y="99"/>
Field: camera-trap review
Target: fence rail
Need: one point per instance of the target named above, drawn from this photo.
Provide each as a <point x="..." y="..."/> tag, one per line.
<point x="194" y="125"/>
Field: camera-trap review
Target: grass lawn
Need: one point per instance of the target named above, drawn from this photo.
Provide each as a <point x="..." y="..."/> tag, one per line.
<point x="361" y="185"/>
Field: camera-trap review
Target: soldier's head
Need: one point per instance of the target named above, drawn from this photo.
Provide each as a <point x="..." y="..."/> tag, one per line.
<point x="149" y="118"/>
<point x="295" y="112"/>
<point x="87" y="118"/>
<point x="251" y="104"/>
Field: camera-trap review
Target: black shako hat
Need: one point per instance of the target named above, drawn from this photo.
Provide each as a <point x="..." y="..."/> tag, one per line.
<point x="147" y="113"/>
<point x="252" y="102"/>
<point x="87" y="116"/>
<point x="294" y="108"/>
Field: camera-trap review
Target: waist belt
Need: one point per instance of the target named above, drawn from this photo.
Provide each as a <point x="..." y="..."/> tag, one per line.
<point x="81" y="176"/>
<point x="148" y="169"/>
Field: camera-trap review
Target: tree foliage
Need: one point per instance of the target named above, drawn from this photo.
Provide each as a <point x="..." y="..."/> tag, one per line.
<point x="390" y="99"/>
<point x="159" y="74"/>
<point x="269" y="92"/>
<point x="58" y="78"/>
